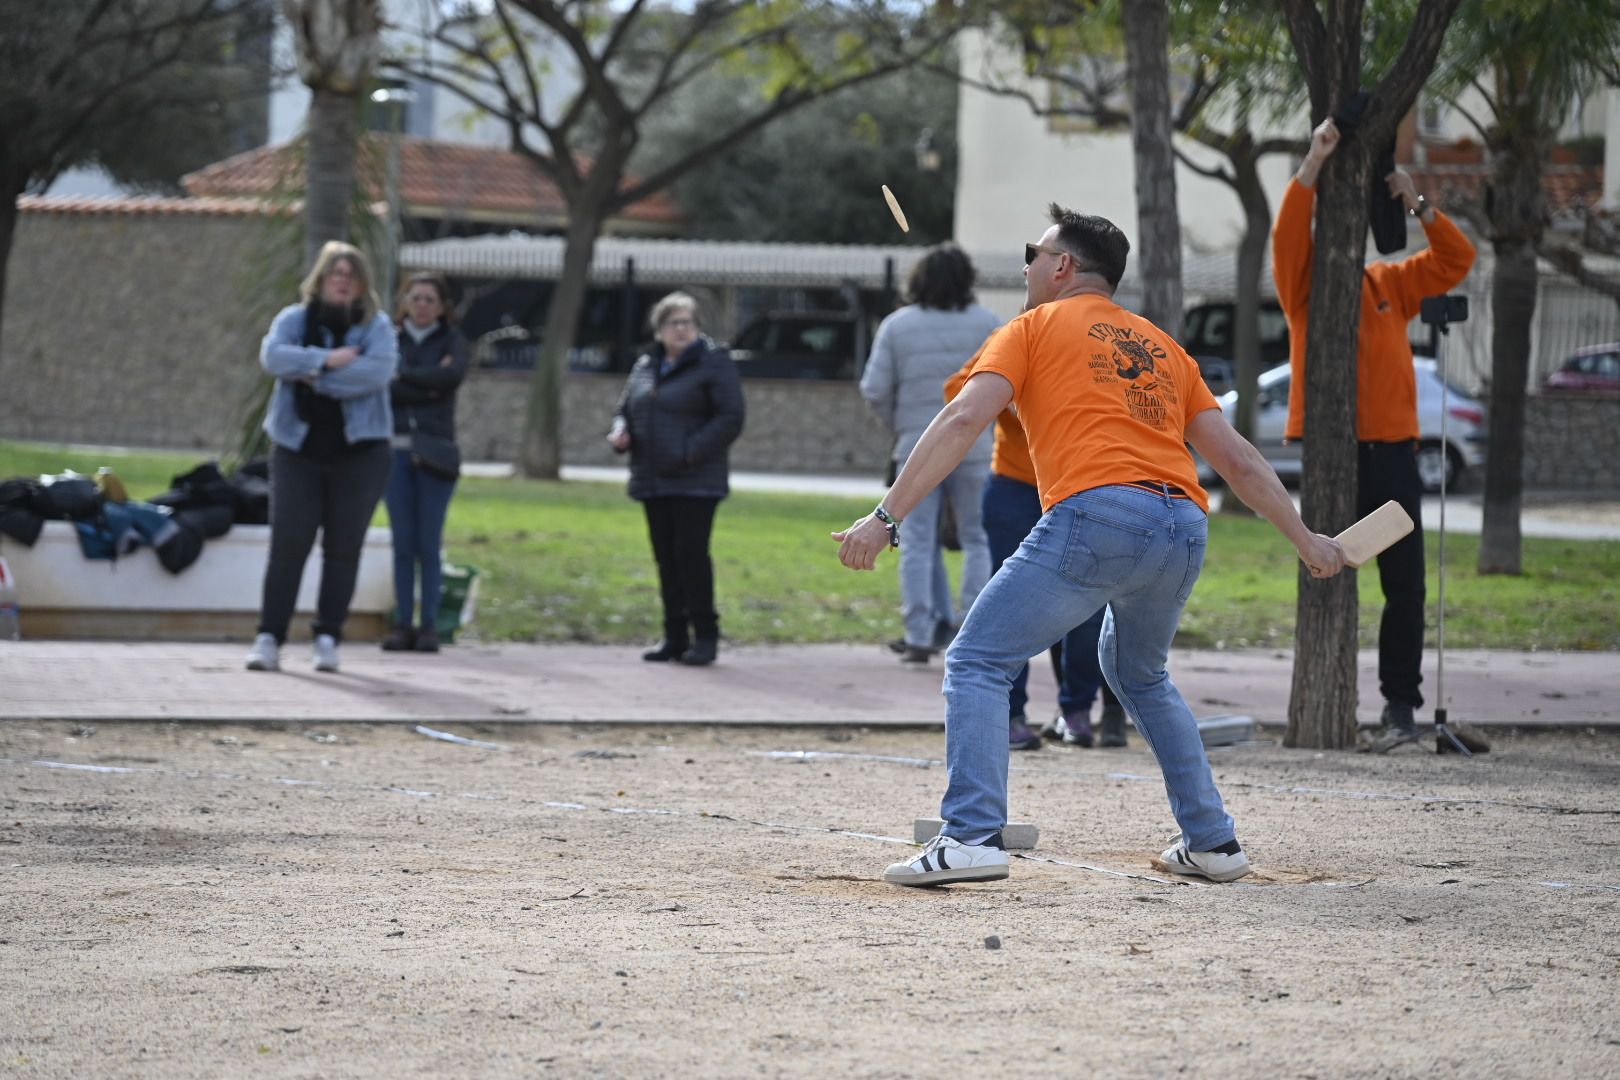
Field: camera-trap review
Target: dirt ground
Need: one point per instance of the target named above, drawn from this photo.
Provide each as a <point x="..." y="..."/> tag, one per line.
<point x="367" y="901"/>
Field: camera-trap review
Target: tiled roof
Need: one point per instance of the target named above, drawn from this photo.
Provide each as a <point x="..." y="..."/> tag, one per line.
<point x="1567" y="187"/>
<point x="153" y="206"/>
<point x="437" y="178"/>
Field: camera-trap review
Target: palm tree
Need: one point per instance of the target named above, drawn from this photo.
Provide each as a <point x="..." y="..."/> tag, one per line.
<point x="338" y="47"/>
<point x="1529" y="62"/>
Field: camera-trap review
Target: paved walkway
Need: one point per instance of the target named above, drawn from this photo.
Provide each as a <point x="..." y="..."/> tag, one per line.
<point x="816" y="684"/>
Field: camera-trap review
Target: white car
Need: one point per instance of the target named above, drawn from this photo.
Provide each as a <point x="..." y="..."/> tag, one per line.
<point x="1465" y="427"/>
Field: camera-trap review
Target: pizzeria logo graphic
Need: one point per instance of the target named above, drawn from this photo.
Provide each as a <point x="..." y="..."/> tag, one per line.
<point x="1136" y="361"/>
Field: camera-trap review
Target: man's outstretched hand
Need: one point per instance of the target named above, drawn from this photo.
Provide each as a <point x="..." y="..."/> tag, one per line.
<point x="861" y="543"/>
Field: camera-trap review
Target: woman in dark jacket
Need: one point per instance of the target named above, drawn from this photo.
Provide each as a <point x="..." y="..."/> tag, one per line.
<point x="432" y="363"/>
<point x="681" y="410"/>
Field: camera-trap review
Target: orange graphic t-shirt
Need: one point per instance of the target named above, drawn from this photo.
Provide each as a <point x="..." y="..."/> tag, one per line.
<point x="1103" y="395"/>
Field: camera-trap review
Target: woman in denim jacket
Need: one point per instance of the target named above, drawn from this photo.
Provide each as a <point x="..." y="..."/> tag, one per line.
<point x="332" y="356"/>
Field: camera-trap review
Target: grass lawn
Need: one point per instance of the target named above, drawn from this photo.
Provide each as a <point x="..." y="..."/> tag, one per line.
<point x="570" y="562"/>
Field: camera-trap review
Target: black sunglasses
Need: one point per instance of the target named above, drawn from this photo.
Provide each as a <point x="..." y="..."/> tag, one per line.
<point x="1031" y="251"/>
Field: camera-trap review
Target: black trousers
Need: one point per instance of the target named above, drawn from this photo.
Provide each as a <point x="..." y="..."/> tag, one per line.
<point x="1385" y="471"/>
<point x="337" y="498"/>
<point x="680" y="526"/>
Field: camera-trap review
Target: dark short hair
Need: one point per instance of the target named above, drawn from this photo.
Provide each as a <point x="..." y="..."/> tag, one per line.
<point x="440" y="286"/>
<point x="942" y="279"/>
<point x="1094" y="241"/>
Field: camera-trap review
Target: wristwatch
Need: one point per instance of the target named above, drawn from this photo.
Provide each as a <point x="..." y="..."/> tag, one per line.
<point x="1417" y="211"/>
<point x="892" y="522"/>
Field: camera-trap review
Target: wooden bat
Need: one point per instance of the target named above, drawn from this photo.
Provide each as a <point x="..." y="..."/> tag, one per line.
<point x="894" y="208"/>
<point x="1374" y="534"/>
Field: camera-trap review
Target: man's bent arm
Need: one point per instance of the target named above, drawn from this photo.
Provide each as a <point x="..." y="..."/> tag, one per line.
<point x="948" y="439"/>
<point x="1251" y="478"/>
<point x="940" y="450"/>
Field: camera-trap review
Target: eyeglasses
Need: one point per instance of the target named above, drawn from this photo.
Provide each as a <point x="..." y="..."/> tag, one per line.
<point x="1033" y="250"/>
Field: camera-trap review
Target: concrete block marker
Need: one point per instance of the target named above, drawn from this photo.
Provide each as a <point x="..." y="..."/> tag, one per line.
<point x="1225" y="730"/>
<point x="1017" y="835"/>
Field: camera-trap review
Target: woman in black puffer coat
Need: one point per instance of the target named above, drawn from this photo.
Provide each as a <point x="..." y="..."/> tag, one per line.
<point x="681" y="410"/>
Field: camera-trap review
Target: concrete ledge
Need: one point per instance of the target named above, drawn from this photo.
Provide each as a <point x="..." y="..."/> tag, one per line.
<point x="61" y="594"/>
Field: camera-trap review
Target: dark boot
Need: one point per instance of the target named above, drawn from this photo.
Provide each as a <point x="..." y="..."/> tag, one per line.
<point x="1112" y="724"/>
<point x="427" y="639"/>
<point x="702" y="653"/>
<point x="1398" y="728"/>
<point x="399" y="639"/>
<point x="668" y="649"/>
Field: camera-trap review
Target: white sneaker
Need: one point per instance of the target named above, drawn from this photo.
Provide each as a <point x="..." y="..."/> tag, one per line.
<point x="1212" y="865"/>
<point x="326" y="656"/>
<point x="945" y="861"/>
<point x="265" y="654"/>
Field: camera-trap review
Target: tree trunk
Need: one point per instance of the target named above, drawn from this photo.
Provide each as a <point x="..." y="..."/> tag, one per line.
<point x="333" y="118"/>
<point x="11" y="188"/>
<point x="1322" y="704"/>
<point x="1251" y="264"/>
<point x="1147" y="57"/>
<point x="541" y="454"/>
<point x="1516" y="215"/>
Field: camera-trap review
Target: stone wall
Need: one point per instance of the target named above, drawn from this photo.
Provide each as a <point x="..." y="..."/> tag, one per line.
<point x="132" y="329"/>
<point x="793" y="425"/>
<point x="1572" y="441"/>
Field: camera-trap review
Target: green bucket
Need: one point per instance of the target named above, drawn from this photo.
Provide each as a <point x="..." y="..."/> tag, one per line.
<point x="458" y="600"/>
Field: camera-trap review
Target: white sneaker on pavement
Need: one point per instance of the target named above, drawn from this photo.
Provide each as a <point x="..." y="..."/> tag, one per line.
<point x="265" y="654"/>
<point x="945" y="861"/>
<point x="326" y="652"/>
<point x="1210" y="865"/>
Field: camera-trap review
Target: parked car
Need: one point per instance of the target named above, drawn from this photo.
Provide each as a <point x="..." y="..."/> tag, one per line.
<point x="1594" y="368"/>
<point x="797" y="345"/>
<point x="1464" y="446"/>
<point x="1207" y="330"/>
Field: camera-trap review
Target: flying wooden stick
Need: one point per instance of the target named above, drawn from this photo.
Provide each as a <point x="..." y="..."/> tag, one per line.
<point x="894" y="208"/>
<point x="1373" y="534"/>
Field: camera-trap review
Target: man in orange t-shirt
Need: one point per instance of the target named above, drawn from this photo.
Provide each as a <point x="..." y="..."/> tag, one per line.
<point x="1109" y="402"/>
<point x="1386" y="402"/>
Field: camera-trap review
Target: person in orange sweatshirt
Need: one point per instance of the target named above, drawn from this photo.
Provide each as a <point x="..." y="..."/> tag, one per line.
<point x="1386" y="402"/>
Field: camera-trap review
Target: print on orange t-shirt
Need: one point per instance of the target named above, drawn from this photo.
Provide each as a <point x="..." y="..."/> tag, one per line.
<point x="1103" y="395"/>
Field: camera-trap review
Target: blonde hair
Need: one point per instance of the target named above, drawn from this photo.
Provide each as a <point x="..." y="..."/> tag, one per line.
<point x="331" y="252"/>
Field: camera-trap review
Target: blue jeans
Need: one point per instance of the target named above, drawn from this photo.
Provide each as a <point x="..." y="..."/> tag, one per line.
<point x="417" y="504"/>
<point x="1011" y="509"/>
<point x="1138" y="552"/>
<point x="922" y="570"/>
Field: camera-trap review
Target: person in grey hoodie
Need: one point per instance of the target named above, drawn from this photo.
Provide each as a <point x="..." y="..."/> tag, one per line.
<point x="915" y="350"/>
<point x="681" y="410"/>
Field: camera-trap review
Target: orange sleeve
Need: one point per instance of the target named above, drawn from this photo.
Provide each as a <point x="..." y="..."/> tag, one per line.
<point x="954" y="384"/>
<point x="1437" y="269"/>
<point x="1198" y="398"/>
<point x="1292" y="248"/>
